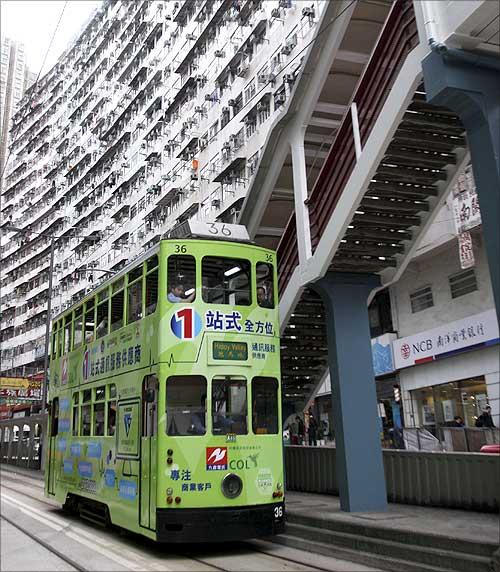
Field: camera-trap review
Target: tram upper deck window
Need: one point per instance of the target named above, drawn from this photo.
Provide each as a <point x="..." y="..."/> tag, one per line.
<point x="229" y="405"/>
<point x="117" y="302"/>
<point x="67" y="334"/>
<point x="226" y="281"/>
<point x="78" y="328"/>
<point x="181" y="278"/>
<point x="264" y="405"/>
<point x="265" y="285"/>
<point x="151" y="291"/>
<point x="134" y="295"/>
<point x="102" y="315"/>
<point x="186" y="405"/>
<point x="89" y="321"/>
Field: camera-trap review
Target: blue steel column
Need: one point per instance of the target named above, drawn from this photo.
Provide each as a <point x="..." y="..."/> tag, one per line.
<point x="470" y="86"/>
<point x="359" y="464"/>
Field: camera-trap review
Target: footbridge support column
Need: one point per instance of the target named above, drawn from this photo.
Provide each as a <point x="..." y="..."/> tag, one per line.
<point x="469" y="84"/>
<point x="360" y="469"/>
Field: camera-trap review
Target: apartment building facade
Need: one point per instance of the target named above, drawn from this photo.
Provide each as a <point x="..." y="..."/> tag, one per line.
<point x="156" y="114"/>
<point x="15" y="78"/>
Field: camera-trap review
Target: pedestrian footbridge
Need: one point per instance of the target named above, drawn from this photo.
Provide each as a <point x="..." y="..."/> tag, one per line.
<point x="387" y="111"/>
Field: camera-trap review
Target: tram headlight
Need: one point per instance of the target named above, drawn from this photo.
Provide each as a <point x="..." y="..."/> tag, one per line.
<point x="231" y="486"/>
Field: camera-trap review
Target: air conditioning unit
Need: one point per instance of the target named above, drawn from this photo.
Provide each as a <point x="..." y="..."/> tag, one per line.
<point x="165" y="177"/>
<point x="226" y="147"/>
<point x="201" y="79"/>
<point x="208" y="97"/>
<point x="289" y="78"/>
<point x="242" y="70"/>
<point x="191" y="37"/>
<point x="266" y="78"/>
<point x="219" y="54"/>
<point x="199" y="109"/>
<point x="194" y="177"/>
<point x="287" y="49"/>
<point x="248" y="120"/>
<point x="140" y="234"/>
<point x="261" y="106"/>
<point x="308" y="11"/>
<point x="275" y="13"/>
<point x="225" y="110"/>
<point x="280" y="99"/>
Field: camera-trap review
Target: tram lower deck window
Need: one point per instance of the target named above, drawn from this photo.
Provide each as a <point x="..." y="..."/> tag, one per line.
<point x="264" y="405"/>
<point x="186" y="405"/>
<point x="229" y="405"/>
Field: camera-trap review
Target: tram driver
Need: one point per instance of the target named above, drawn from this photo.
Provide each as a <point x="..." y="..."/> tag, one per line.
<point x="177" y="294"/>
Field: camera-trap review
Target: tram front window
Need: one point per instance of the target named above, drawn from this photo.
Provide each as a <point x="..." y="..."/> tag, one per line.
<point x="229" y="405"/>
<point x="264" y="405"/>
<point x="186" y="405"/>
<point x="226" y="281"/>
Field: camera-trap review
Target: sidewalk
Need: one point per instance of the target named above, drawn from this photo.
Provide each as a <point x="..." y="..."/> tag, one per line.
<point x="456" y="524"/>
<point x="404" y="538"/>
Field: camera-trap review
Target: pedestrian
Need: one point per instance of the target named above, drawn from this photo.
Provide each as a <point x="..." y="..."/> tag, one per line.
<point x="312" y="430"/>
<point x="294" y="432"/>
<point x="485" y="419"/>
<point x="300" y="430"/>
<point x="457" y="421"/>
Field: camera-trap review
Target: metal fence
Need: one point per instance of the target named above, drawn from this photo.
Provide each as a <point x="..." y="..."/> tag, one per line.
<point x="453" y="480"/>
<point x="21" y="441"/>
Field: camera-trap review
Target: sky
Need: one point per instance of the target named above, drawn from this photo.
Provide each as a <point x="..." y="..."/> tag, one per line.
<point x="33" y="22"/>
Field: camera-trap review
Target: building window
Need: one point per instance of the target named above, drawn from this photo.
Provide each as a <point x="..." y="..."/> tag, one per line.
<point x="421" y="299"/>
<point x="463" y="283"/>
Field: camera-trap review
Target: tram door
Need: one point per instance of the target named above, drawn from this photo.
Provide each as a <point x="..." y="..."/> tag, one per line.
<point x="54" y="423"/>
<point x="147" y="505"/>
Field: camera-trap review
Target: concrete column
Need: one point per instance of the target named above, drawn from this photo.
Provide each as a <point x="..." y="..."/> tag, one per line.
<point x="300" y="193"/>
<point x="470" y="85"/>
<point x="360" y="469"/>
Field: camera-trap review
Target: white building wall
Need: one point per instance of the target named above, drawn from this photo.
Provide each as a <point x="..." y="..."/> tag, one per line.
<point x="434" y="269"/>
<point x="438" y="261"/>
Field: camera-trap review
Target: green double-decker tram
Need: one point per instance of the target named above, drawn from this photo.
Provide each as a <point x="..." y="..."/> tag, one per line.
<point x="165" y="400"/>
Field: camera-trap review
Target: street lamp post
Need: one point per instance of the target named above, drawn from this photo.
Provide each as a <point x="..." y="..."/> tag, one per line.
<point x="49" y="303"/>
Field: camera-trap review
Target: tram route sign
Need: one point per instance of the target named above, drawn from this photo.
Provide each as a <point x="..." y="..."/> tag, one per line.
<point x="230" y="351"/>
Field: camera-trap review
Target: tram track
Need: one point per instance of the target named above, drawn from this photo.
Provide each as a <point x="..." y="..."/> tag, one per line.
<point x="205" y="561"/>
<point x="45" y="545"/>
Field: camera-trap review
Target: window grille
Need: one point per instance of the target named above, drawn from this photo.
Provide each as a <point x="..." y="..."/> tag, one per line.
<point x="421" y="299"/>
<point x="463" y="283"/>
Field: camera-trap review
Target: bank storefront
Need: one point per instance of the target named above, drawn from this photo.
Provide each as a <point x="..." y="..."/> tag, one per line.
<point x="451" y="370"/>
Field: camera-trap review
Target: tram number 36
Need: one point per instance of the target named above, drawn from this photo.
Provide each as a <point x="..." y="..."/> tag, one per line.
<point x="278" y="512"/>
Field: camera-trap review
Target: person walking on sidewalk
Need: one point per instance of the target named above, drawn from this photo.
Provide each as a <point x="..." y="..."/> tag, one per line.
<point x="312" y="430"/>
<point x="485" y="419"/>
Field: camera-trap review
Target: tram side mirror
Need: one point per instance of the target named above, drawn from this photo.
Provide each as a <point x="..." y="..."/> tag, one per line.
<point x="150" y="396"/>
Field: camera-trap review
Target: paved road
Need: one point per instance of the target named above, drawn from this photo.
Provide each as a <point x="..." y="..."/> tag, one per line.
<point x="38" y="535"/>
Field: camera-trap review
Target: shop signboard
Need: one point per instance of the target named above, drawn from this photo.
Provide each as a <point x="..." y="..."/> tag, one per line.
<point x="444" y="341"/>
<point x="466" y="250"/>
<point x="465" y="203"/>
<point x="466" y="211"/>
<point x="383" y="360"/>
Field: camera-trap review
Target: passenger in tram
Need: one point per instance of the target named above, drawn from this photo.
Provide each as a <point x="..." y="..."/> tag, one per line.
<point x="177" y="294"/>
<point x="102" y="327"/>
<point x="198" y="418"/>
<point x="262" y="298"/>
